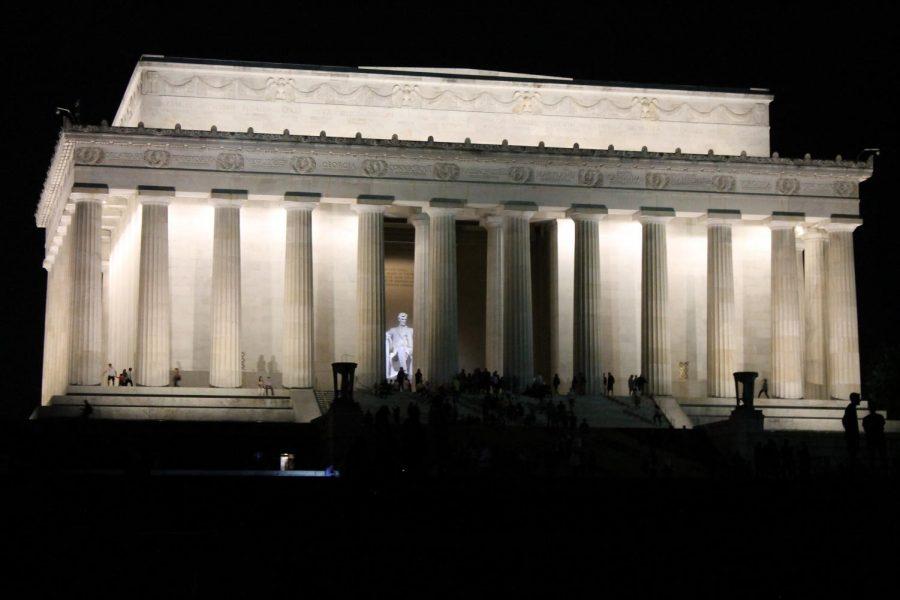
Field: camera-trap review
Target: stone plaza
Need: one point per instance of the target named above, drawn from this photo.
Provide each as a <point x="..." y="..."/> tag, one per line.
<point x="246" y="220"/>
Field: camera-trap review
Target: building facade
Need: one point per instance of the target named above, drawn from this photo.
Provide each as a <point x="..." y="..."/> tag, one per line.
<point x="245" y="219"/>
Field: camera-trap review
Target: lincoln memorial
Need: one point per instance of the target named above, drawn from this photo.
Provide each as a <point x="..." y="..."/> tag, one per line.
<point x="246" y="220"/>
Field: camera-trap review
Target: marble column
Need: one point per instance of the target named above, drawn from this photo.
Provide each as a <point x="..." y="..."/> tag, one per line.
<point x="370" y="291"/>
<point x="493" y="317"/>
<point x="421" y="267"/>
<point x="815" y="316"/>
<point x="843" y="332"/>
<point x="443" y="320"/>
<point x="225" y="360"/>
<point x="655" y="361"/>
<point x="720" y="311"/>
<point x="297" y="340"/>
<point x="787" y="372"/>
<point x="154" y="325"/>
<point x="801" y="299"/>
<point x="587" y="337"/>
<point x="518" y="332"/>
<point x="58" y="316"/>
<point x="86" y="367"/>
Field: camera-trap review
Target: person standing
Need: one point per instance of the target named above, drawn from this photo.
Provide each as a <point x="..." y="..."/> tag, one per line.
<point x="556" y="382"/>
<point x="110" y="375"/>
<point x="176" y="377"/>
<point x="418" y="379"/>
<point x="851" y="427"/>
<point x="610" y="383"/>
<point x="873" y="425"/>
<point x="129" y="377"/>
<point x="268" y="387"/>
<point x="631" y="385"/>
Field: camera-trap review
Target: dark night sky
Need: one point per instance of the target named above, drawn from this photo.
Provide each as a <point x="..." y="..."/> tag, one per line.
<point x="834" y="77"/>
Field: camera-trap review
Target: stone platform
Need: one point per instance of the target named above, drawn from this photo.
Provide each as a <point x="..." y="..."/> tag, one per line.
<point x="183" y="404"/>
<point x="780" y="414"/>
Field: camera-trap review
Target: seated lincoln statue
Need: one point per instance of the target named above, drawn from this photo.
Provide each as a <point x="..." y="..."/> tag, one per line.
<point x="399" y="348"/>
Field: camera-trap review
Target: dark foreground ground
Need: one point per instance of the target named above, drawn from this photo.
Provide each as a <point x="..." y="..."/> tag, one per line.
<point x="67" y="535"/>
<point x="90" y="515"/>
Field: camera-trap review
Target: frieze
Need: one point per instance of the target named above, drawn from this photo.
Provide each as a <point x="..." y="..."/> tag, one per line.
<point x="89" y="155"/>
<point x="303" y="164"/>
<point x="374" y="168"/>
<point x="520" y="174"/>
<point x="446" y="171"/>
<point x="590" y="178"/>
<point x="157" y="158"/>
<point x="230" y="161"/>
<point x="656" y="181"/>
<point x="723" y="183"/>
<point x="787" y="186"/>
<point x="513" y="99"/>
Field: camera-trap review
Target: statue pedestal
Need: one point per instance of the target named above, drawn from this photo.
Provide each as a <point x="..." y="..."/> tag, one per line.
<point x="747" y="419"/>
<point x="342" y="428"/>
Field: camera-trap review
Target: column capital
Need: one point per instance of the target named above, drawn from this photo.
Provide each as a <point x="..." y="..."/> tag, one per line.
<point x="418" y="220"/>
<point x="154" y="194"/>
<point x="842" y="223"/>
<point x="491" y="221"/>
<point x="726" y="217"/>
<point x="301" y="200"/>
<point x="227" y="198"/>
<point x="785" y="220"/>
<point x="372" y="203"/>
<point x="522" y="210"/>
<point x="648" y="214"/>
<point x="813" y="234"/>
<point x="89" y="192"/>
<point x="443" y="206"/>
<point x="587" y="212"/>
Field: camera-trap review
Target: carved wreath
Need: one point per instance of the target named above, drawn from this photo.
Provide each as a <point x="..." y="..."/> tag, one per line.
<point x="230" y="161"/>
<point x="157" y="158"/>
<point x="845" y="189"/>
<point x="787" y="186"/>
<point x="374" y="168"/>
<point x="656" y="181"/>
<point x="520" y="174"/>
<point x="590" y="178"/>
<point x="723" y="183"/>
<point x="89" y="155"/>
<point x="303" y="164"/>
<point x="446" y="171"/>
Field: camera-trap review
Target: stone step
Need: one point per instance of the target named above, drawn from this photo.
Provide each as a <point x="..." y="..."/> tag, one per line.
<point x="282" y="402"/>
<point x="774" y="403"/>
<point x="170" y="413"/>
<point x="725" y="412"/>
<point x="180" y="392"/>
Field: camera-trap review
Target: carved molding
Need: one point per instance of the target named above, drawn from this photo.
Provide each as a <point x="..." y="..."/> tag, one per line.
<point x="520" y="98"/>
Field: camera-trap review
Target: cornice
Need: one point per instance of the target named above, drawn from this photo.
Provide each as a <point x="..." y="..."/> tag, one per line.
<point x="536" y="166"/>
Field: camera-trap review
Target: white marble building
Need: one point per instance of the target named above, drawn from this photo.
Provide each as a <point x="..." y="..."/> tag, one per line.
<point x="240" y="219"/>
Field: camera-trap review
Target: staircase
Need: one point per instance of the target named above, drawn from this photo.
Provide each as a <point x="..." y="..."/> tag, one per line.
<point x="324" y="398"/>
<point x="170" y="404"/>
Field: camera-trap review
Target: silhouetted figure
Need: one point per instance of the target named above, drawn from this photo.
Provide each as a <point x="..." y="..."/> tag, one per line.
<point x="851" y="427"/>
<point x="764" y="389"/>
<point x="630" y="385"/>
<point x="556" y="383"/>
<point x="873" y="425"/>
<point x="87" y="410"/>
<point x="418" y="379"/>
<point x="401" y="379"/>
<point x="639" y="382"/>
<point x="610" y="383"/>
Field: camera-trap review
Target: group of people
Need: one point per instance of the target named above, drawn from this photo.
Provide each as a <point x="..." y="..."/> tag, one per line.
<point x="114" y="378"/>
